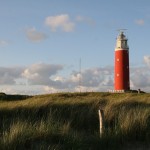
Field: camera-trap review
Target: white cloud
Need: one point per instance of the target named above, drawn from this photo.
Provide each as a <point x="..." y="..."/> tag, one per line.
<point x="46" y="76"/>
<point x="4" y="42"/>
<point x="140" y="78"/>
<point x="147" y="60"/>
<point x="94" y="78"/>
<point x="8" y="90"/>
<point x="59" y="78"/>
<point x="39" y="74"/>
<point x="43" y="78"/>
<point x="140" y="22"/>
<point x="48" y="89"/>
<point x="21" y="89"/>
<point x="35" y="36"/>
<point x="9" y="75"/>
<point x="61" y="22"/>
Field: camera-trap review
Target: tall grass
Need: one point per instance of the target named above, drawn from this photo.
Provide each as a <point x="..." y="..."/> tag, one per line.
<point x="70" y="121"/>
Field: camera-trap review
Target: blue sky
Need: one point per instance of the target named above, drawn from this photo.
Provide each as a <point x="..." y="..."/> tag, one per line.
<point x="42" y="42"/>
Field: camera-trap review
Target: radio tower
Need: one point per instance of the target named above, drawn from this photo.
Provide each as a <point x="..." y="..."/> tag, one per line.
<point x="80" y="75"/>
<point x="121" y="76"/>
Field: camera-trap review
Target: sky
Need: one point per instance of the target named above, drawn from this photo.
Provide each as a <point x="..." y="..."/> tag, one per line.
<point x="68" y="46"/>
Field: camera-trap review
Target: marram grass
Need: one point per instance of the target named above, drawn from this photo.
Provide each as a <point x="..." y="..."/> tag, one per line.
<point x="69" y="121"/>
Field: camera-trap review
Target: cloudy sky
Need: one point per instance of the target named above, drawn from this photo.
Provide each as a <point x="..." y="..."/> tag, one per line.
<point x="45" y="44"/>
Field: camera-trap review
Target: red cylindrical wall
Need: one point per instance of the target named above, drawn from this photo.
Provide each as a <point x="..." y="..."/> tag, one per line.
<point x="121" y="77"/>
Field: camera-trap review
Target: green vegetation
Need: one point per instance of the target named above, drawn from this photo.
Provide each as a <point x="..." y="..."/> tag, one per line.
<point x="69" y="121"/>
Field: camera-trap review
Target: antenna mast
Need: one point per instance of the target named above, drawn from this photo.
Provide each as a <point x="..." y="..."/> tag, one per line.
<point x="121" y="30"/>
<point x="80" y="75"/>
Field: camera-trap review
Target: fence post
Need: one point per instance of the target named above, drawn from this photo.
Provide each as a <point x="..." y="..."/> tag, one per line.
<point x="101" y="122"/>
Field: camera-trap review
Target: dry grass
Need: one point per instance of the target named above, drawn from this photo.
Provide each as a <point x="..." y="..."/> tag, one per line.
<point x="70" y="121"/>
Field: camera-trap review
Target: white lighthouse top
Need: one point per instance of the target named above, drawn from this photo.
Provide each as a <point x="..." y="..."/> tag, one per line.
<point x="121" y="43"/>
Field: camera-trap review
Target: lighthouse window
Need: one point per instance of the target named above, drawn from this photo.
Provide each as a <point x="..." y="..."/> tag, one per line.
<point x="125" y="43"/>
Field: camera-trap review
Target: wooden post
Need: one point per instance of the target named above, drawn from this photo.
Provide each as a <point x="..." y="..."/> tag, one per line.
<point x="101" y="122"/>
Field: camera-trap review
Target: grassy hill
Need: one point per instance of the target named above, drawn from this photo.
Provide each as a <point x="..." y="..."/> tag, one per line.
<point x="69" y="121"/>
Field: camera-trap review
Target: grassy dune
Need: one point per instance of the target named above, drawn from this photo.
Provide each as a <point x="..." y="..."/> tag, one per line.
<point x="69" y="121"/>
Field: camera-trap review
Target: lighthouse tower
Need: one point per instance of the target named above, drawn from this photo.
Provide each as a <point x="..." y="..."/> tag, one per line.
<point x="121" y="76"/>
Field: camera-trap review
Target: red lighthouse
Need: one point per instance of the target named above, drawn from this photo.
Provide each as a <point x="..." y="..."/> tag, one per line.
<point x="121" y="76"/>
